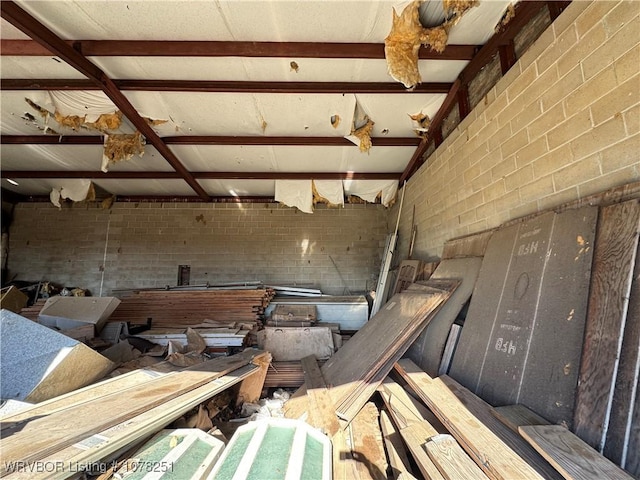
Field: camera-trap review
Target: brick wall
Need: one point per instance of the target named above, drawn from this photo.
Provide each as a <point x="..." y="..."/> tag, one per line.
<point x="562" y="124"/>
<point x="142" y="245"/>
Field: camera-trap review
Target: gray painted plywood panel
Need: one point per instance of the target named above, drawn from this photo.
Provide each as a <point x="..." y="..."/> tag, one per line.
<point x="551" y="372"/>
<point x="426" y="352"/>
<point x="486" y="295"/>
<point x="522" y="339"/>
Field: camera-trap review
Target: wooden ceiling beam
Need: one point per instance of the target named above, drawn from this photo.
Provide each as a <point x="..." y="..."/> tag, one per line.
<point x="20" y="19"/>
<point x="211" y="140"/>
<point x="338" y="88"/>
<point x="165" y="48"/>
<point x="146" y="175"/>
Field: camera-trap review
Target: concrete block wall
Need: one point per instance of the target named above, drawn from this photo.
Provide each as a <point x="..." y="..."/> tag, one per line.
<point x="142" y="245"/>
<point x="562" y="124"/>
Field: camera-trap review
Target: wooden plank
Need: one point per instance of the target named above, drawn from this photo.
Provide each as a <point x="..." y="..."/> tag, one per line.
<point x="427" y="350"/>
<point x="615" y="250"/>
<point x="294" y="343"/>
<point x="449" y="349"/>
<point x="495" y="456"/>
<point x="410" y="416"/>
<point x="322" y="413"/>
<point x="406" y="409"/>
<point x="407" y="273"/>
<point x="134" y="379"/>
<point x="515" y="416"/>
<point x="396" y="452"/>
<point x="250" y="389"/>
<point x="366" y="444"/>
<point x="451" y="459"/>
<point x="415" y="436"/>
<point x="24" y="441"/>
<point x="97" y="447"/>
<point x="620" y="431"/>
<point x="354" y="371"/>
<point x="470" y="246"/>
<point x="572" y="457"/>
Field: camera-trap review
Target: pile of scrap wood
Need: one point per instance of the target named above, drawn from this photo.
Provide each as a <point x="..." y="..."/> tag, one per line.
<point x="91" y="427"/>
<point x="429" y="427"/>
<point x="174" y="308"/>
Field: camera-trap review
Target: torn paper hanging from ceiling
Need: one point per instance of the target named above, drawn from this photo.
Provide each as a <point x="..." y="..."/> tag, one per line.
<point x="369" y="190"/>
<point x="76" y="190"/>
<point x="361" y="128"/>
<point x="402" y="45"/>
<point x="330" y="192"/>
<point x="120" y="147"/>
<point x="295" y="193"/>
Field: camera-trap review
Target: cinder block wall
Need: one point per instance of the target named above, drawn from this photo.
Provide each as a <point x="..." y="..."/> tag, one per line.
<point x="562" y="124"/>
<point x="142" y="245"/>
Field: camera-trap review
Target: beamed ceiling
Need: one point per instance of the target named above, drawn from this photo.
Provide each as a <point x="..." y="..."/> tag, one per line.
<point x="229" y="97"/>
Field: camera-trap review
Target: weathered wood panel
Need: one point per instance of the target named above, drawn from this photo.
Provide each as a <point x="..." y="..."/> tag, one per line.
<point x="427" y="350"/>
<point x="614" y="258"/>
<point x="499" y="459"/>
<point x="572" y="457"/>
<point x="620" y="433"/>
<point x="500" y="452"/>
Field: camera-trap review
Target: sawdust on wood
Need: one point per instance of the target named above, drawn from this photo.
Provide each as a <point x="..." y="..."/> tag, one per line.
<point x="364" y="135"/>
<point x="120" y="147"/>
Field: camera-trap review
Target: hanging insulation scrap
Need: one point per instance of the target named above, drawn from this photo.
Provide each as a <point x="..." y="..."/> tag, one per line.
<point x="364" y="135"/>
<point x="155" y="122"/>
<point x="423" y="122"/>
<point x="44" y="113"/>
<point x="121" y="147"/>
<point x="75" y="122"/>
<point x="506" y="18"/>
<point x="402" y="45"/>
<point x="106" y="121"/>
<point x="458" y="7"/>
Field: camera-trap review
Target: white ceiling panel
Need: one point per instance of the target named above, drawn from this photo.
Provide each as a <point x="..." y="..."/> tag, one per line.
<point x="145" y="187"/>
<point x="239" y="188"/>
<point x="224" y="114"/>
<point x="37" y="67"/>
<point x="391" y="112"/>
<point x="227" y="114"/>
<point x="76" y="157"/>
<point x="268" y="69"/>
<point x="34" y="186"/>
<point x="258" y="158"/>
<point x="286" y="20"/>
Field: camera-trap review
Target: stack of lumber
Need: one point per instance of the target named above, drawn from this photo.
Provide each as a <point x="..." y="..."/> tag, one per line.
<point x="168" y="308"/>
<point x="356" y="370"/>
<point x="285" y="374"/>
<point x="85" y="427"/>
<point x="33" y="311"/>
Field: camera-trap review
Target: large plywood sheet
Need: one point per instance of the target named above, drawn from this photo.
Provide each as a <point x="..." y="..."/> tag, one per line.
<point x="522" y="339"/>
<point x="427" y="350"/>
<point x="38" y="363"/>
